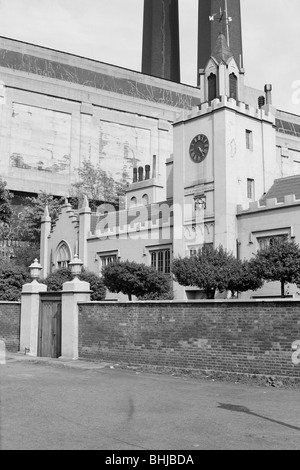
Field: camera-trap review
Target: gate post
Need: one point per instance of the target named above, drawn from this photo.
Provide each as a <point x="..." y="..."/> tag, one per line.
<point x="73" y="292"/>
<point x="30" y="306"/>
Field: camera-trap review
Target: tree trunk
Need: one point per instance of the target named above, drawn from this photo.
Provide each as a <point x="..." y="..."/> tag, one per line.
<point x="282" y="288"/>
<point x="129" y="297"/>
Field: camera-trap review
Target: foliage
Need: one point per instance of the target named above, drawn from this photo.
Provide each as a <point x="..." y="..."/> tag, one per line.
<point x="96" y="284"/>
<point x="134" y="279"/>
<point x="29" y="221"/>
<point x="152" y="296"/>
<point x="55" y="281"/>
<point x="12" y="279"/>
<point x="5" y="203"/>
<point x="25" y="255"/>
<point x="214" y="269"/>
<point x="242" y="278"/>
<point x="97" y="185"/>
<point x="280" y="261"/>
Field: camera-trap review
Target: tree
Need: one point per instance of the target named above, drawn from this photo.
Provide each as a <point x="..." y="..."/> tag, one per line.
<point x="97" y="185"/>
<point x="242" y="278"/>
<point x="280" y="261"/>
<point x="214" y="269"/>
<point x="55" y="281"/>
<point x="134" y="279"/>
<point x="12" y="279"/>
<point x="5" y="203"/>
<point x="25" y="255"/>
<point x="29" y="220"/>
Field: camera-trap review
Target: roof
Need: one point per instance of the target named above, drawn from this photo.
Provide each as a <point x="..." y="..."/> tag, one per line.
<point x="221" y="51"/>
<point x="283" y="187"/>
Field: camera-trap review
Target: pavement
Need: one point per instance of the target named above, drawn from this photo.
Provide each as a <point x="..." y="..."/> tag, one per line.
<point x="54" y="404"/>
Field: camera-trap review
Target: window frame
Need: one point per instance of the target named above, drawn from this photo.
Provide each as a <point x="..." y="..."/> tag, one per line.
<point x="160" y="258"/>
<point x="249" y="139"/>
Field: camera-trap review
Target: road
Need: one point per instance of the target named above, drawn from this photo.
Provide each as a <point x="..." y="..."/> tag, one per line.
<point x="51" y="406"/>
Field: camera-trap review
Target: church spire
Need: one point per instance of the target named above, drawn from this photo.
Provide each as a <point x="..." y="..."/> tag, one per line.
<point x="222" y="51"/>
<point x="219" y="17"/>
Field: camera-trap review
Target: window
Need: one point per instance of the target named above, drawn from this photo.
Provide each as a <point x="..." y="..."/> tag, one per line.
<point x="108" y="259"/>
<point x="161" y="260"/>
<point x="145" y="200"/>
<point x="212" y="87"/>
<point x="265" y="242"/>
<point x="133" y="202"/>
<point x="63" y="255"/>
<point x="249" y="140"/>
<point x="251" y="189"/>
<point x="233" y="86"/>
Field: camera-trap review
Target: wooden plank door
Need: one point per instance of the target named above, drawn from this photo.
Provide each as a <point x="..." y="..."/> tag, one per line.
<point x="50" y="326"/>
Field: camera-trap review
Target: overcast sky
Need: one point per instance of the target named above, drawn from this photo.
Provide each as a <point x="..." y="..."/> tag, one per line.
<point x="111" y="31"/>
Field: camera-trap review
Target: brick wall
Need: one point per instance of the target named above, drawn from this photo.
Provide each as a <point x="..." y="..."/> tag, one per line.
<point x="234" y="336"/>
<point x="10" y="318"/>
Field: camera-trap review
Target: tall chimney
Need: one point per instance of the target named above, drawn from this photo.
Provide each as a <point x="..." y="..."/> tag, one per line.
<point x="268" y="91"/>
<point x="161" y="50"/>
<point x="154" y="166"/>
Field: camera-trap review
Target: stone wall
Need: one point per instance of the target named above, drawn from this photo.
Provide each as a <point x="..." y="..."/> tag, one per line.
<point x="10" y="319"/>
<point x="225" y="336"/>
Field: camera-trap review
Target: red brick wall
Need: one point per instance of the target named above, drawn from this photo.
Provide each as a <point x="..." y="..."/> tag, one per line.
<point x="10" y="319"/>
<point x="244" y="337"/>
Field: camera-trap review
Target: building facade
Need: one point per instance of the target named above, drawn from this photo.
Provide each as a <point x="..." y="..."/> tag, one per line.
<point x="201" y="160"/>
<point x="227" y="157"/>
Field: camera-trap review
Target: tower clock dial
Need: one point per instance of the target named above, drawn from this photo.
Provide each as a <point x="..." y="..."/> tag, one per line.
<point x="199" y="148"/>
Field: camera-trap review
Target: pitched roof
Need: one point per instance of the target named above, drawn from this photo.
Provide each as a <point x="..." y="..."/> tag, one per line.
<point x="221" y="51"/>
<point x="283" y="187"/>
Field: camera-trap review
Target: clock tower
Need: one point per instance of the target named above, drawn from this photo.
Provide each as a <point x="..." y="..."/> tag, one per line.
<point x="223" y="157"/>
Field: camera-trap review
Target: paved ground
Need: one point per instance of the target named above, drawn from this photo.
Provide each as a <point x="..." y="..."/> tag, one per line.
<point x="80" y="405"/>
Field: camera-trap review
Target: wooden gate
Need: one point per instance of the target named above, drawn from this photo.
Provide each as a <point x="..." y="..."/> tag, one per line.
<point x="49" y="344"/>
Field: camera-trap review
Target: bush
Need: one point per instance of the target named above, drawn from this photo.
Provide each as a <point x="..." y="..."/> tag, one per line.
<point x="56" y="280"/>
<point x="97" y="286"/>
<point x="12" y="279"/>
<point x="134" y="279"/>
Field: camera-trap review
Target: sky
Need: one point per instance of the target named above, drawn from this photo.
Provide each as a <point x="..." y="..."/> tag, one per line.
<point x="111" y="31"/>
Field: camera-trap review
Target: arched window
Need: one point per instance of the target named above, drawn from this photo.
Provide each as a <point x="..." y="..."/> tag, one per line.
<point x="145" y="200"/>
<point x="133" y="202"/>
<point x="63" y="255"/>
<point x="233" y="86"/>
<point x="212" y="87"/>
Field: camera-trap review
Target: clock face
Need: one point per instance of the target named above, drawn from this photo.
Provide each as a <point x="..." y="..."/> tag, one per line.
<point x="199" y="148"/>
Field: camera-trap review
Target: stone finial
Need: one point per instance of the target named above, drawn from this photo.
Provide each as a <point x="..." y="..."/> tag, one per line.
<point x="85" y="203"/>
<point x="46" y="212"/>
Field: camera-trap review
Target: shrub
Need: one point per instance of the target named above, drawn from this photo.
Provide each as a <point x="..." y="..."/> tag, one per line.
<point x="12" y="279"/>
<point x="136" y="279"/>
<point x="55" y="281"/>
